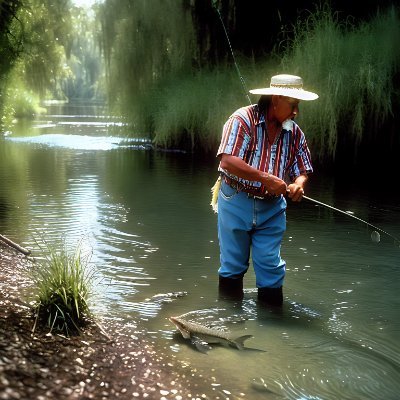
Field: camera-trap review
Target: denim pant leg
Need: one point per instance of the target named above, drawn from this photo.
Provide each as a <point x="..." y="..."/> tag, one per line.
<point x="234" y="231"/>
<point x="245" y="223"/>
<point x="270" y="226"/>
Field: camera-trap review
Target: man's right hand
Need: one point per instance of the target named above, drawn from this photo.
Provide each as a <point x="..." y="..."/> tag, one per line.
<point x="274" y="185"/>
<point x="238" y="167"/>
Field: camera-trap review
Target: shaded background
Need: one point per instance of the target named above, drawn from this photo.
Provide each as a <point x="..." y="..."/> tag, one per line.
<point x="167" y="70"/>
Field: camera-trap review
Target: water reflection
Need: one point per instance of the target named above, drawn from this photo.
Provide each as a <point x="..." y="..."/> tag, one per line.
<point x="145" y="215"/>
<point x="81" y="142"/>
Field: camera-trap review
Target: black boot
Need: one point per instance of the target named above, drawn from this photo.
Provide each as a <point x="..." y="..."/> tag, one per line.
<point x="231" y="288"/>
<point x="270" y="296"/>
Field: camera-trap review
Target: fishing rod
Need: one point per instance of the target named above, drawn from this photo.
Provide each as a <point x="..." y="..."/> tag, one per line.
<point x="374" y="236"/>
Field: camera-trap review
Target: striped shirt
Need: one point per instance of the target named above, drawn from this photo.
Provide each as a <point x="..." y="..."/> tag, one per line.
<point x="245" y="136"/>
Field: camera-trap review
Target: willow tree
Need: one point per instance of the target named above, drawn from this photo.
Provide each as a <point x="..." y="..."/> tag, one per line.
<point x="9" y="44"/>
<point x="161" y="66"/>
<point x="43" y="28"/>
<point x="144" y="45"/>
<point x="171" y="71"/>
<point x="52" y="53"/>
<point x="39" y="31"/>
<point x="85" y="65"/>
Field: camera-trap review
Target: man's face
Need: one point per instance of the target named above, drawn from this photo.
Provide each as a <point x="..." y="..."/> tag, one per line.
<point x="286" y="108"/>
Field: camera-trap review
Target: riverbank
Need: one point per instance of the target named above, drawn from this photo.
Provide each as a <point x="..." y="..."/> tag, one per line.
<point x="107" y="361"/>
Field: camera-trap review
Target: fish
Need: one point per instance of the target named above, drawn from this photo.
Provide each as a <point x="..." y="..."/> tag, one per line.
<point x="201" y="335"/>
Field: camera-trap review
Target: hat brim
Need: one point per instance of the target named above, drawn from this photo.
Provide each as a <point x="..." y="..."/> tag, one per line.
<point x="294" y="93"/>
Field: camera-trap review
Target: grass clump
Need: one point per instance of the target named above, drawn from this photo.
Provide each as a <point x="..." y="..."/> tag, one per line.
<point x="63" y="282"/>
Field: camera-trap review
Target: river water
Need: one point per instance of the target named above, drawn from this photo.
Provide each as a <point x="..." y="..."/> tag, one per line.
<point x="145" y="217"/>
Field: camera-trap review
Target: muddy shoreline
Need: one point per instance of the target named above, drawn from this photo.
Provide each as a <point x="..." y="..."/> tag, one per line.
<point x="107" y="361"/>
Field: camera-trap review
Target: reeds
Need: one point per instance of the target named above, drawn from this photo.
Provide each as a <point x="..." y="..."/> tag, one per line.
<point x="352" y="67"/>
<point x="195" y="106"/>
<point x="191" y="109"/>
<point x="63" y="282"/>
<point x="351" y="64"/>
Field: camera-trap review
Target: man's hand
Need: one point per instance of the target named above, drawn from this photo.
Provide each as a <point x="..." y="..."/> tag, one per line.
<point x="238" y="167"/>
<point x="295" y="192"/>
<point x="274" y="185"/>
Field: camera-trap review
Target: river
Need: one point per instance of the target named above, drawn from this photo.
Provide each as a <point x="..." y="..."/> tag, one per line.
<point x="144" y="216"/>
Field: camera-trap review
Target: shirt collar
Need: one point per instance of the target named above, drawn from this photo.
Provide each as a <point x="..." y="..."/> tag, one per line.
<point x="287" y="125"/>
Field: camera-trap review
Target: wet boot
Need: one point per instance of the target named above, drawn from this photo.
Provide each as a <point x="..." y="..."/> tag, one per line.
<point x="230" y="288"/>
<point x="270" y="296"/>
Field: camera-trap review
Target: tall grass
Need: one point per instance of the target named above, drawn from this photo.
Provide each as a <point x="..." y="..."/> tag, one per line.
<point x="197" y="105"/>
<point x="352" y="68"/>
<point x="62" y="287"/>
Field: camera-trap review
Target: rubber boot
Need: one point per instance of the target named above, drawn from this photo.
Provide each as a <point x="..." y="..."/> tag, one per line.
<point x="230" y="288"/>
<point x="270" y="296"/>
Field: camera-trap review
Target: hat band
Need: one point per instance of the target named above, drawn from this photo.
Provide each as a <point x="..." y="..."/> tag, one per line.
<point x="287" y="86"/>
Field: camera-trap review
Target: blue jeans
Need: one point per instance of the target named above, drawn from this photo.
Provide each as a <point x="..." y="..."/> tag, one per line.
<point x="245" y="225"/>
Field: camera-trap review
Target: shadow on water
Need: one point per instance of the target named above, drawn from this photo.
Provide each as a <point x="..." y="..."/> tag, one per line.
<point x="145" y="215"/>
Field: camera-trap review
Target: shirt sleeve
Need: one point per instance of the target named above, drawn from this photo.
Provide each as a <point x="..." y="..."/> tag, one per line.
<point x="235" y="138"/>
<point x="302" y="163"/>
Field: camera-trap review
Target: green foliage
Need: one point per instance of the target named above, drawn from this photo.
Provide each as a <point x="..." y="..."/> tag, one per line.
<point x="8" y="43"/>
<point x="84" y="61"/>
<point x="155" y="79"/>
<point x="43" y="30"/>
<point x="63" y="282"/>
<point x="20" y="102"/>
<point x="352" y="68"/>
<point x="47" y="50"/>
<point x="150" y="56"/>
<point x="191" y="105"/>
<point x="37" y="37"/>
<point x="143" y="45"/>
<point x="191" y="110"/>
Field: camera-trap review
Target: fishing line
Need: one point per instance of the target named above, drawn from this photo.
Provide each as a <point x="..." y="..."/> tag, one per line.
<point x="374" y="236"/>
<point x="233" y="54"/>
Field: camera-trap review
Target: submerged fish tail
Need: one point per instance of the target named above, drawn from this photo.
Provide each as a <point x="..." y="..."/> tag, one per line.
<point x="239" y="342"/>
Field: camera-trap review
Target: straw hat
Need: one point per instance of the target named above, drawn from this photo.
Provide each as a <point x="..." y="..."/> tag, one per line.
<point x="286" y="85"/>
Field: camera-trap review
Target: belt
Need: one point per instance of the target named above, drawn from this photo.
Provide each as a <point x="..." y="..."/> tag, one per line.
<point x="253" y="194"/>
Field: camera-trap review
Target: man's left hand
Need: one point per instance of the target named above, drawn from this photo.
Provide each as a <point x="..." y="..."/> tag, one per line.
<point x="295" y="192"/>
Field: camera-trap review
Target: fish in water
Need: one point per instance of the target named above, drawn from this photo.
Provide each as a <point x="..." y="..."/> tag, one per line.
<point x="201" y="335"/>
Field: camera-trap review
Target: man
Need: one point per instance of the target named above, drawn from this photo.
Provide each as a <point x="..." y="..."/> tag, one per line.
<point x="263" y="157"/>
